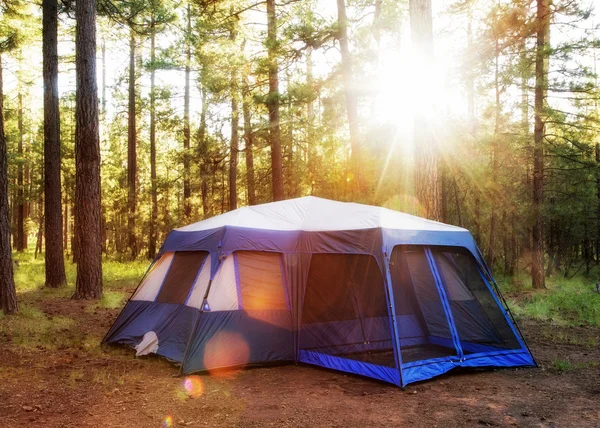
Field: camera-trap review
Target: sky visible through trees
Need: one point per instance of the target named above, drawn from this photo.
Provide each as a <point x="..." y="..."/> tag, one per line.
<point x="497" y="131"/>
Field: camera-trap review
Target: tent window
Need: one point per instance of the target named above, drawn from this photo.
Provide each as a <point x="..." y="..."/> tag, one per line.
<point x="181" y="276"/>
<point x="345" y="310"/>
<point x="261" y="280"/>
<point x="151" y="283"/>
<point x="478" y="318"/>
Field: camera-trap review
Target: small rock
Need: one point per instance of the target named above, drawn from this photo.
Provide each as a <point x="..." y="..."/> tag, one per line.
<point x="27" y="408"/>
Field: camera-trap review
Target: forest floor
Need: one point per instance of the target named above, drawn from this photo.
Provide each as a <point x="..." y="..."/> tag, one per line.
<point x="53" y="373"/>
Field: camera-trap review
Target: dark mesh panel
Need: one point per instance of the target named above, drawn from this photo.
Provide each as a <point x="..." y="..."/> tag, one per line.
<point x="477" y="316"/>
<point x="345" y="309"/>
<point x="180" y="278"/>
<point x="422" y="323"/>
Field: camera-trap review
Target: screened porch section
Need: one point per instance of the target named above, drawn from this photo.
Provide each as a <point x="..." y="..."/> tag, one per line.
<point x="444" y="307"/>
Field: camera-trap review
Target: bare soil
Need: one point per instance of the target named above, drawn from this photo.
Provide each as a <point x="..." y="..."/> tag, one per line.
<point x="78" y="385"/>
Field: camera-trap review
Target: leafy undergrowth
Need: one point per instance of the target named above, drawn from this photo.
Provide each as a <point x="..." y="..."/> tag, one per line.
<point x="568" y="302"/>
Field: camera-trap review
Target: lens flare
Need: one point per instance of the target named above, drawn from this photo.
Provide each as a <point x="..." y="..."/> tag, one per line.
<point x="193" y="386"/>
<point x="226" y="350"/>
<point x="167" y="422"/>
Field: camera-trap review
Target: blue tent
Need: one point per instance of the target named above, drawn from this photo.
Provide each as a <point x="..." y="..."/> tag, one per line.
<point x="351" y="287"/>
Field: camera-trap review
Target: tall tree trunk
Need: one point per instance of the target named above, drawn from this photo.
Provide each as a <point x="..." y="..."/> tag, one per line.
<point x="495" y="191"/>
<point x="187" y="207"/>
<point x="87" y="157"/>
<point x="154" y="191"/>
<point x="470" y="76"/>
<point x="54" y="257"/>
<point x="131" y="153"/>
<point x="234" y="142"/>
<point x="203" y="155"/>
<point x="427" y="189"/>
<point x="541" y="85"/>
<point x="249" y="143"/>
<point x="103" y="76"/>
<point x="350" y="95"/>
<point x="8" y="295"/>
<point x="273" y="103"/>
<point x="21" y="240"/>
<point x="233" y="147"/>
<point x="310" y="118"/>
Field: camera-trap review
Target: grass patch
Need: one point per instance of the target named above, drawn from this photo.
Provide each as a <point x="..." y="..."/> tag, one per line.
<point x="568" y="302"/>
<point x="30" y="327"/>
<point x="563" y="365"/>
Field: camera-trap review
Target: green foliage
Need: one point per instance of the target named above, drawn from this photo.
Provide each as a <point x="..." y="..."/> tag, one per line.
<point x="570" y="302"/>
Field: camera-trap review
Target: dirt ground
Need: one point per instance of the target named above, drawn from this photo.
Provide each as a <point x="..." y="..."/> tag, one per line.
<point x="71" y="382"/>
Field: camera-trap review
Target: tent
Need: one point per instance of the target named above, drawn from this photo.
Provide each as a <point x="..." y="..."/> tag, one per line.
<point x="356" y="288"/>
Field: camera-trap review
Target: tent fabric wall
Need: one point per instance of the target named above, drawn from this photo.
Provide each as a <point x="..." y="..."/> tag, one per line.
<point x="346" y="286"/>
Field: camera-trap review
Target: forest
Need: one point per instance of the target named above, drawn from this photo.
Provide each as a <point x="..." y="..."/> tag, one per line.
<point x="121" y="120"/>
<point x="485" y="117"/>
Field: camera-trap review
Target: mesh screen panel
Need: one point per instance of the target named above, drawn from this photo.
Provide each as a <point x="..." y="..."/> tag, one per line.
<point x="422" y="323"/>
<point x="477" y="316"/>
<point x="180" y="278"/>
<point x="345" y="310"/>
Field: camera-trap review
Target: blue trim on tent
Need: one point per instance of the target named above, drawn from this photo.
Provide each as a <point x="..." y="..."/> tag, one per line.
<point x="503" y="310"/>
<point x="392" y="317"/>
<point x="423" y="370"/>
<point x="386" y="374"/>
<point x="445" y="303"/>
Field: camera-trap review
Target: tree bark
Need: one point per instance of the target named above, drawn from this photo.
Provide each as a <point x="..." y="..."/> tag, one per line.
<point x="8" y="295"/>
<point x="273" y="103"/>
<point x="21" y="240"/>
<point x="203" y="155"/>
<point x="249" y="143"/>
<point x="541" y="85"/>
<point x="234" y="142"/>
<point x="54" y="256"/>
<point x="153" y="190"/>
<point x="349" y="95"/>
<point x="427" y="189"/>
<point x="494" y="190"/>
<point x="187" y="208"/>
<point x="131" y="154"/>
<point x="87" y="156"/>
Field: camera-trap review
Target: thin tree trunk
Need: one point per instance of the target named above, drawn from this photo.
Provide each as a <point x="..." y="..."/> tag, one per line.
<point x="131" y="153"/>
<point x="54" y="256"/>
<point x="470" y="77"/>
<point x="427" y="191"/>
<point x="203" y="154"/>
<point x="350" y="95"/>
<point x="273" y="103"/>
<point x="234" y="142"/>
<point x="495" y="191"/>
<point x="38" y="241"/>
<point x="541" y="84"/>
<point x="249" y="143"/>
<point x="8" y="295"/>
<point x="310" y="118"/>
<point x="87" y="156"/>
<point x="154" y="192"/>
<point x="103" y="76"/>
<point x="21" y="242"/>
<point x="187" y="208"/>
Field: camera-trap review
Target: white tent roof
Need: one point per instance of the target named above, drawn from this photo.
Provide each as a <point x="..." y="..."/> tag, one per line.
<point x="317" y="214"/>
